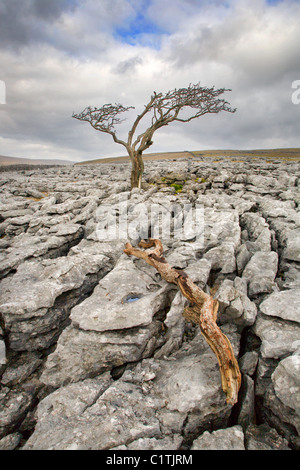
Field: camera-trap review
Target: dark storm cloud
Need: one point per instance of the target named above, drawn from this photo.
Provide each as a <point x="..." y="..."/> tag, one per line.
<point x="23" y="22"/>
<point x="51" y="10"/>
<point x="129" y="65"/>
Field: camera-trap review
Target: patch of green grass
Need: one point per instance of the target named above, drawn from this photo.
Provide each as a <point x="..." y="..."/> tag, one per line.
<point x="178" y="187"/>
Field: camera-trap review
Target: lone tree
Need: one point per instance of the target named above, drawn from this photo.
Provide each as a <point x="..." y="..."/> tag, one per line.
<point x="162" y="109"/>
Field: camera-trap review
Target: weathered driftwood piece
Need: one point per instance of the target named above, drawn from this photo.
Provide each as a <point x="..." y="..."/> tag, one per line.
<point x="202" y="310"/>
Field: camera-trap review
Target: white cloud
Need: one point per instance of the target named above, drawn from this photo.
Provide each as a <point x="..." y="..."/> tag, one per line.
<point x="76" y="57"/>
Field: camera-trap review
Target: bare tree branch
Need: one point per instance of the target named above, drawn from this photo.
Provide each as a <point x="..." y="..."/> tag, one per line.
<point x="104" y="119"/>
<point x="202" y="310"/>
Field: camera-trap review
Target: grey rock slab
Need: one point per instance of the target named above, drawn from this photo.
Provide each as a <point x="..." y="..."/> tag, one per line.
<point x="69" y="418"/>
<point x="286" y="383"/>
<point x="64" y="229"/>
<point x="15" y="213"/>
<point x="11" y="441"/>
<point x="126" y="297"/>
<point x="22" y="220"/>
<point x="223" y="439"/>
<point x="87" y="213"/>
<point x="258" y="230"/>
<point x="286" y="179"/>
<point x="112" y="249"/>
<point x="59" y="409"/>
<point x="8" y="205"/>
<point x="46" y="224"/>
<point x="151" y="400"/>
<point x="260" y="272"/>
<point x="27" y="246"/>
<point x="240" y="204"/>
<point x="29" y="302"/>
<point x="31" y="192"/>
<point x="234" y="304"/>
<point x="276" y="208"/>
<point x="36" y="285"/>
<point x="261" y="181"/>
<point x="291" y="276"/>
<point x="248" y="362"/>
<point x="159" y="403"/>
<point x="192" y="382"/>
<point x="221" y="226"/>
<point x="23" y="366"/>
<point x="265" y="369"/>
<point x="199" y="271"/>
<point x="246" y="412"/>
<point x="180" y="255"/>
<point x="151" y="443"/>
<point x="278" y="337"/>
<point x="189" y="384"/>
<point x="291" y="194"/>
<point x="262" y="190"/>
<point x="222" y="257"/>
<point x="81" y="354"/>
<point x="68" y="206"/>
<point x="292" y="245"/>
<point x="242" y="258"/>
<point x="14" y="405"/>
<point x="263" y="437"/>
<point x="175" y="327"/>
<point x="284" y="304"/>
<point x="240" y="284"/>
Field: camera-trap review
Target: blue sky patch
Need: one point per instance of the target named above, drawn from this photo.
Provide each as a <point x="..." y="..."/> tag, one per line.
<point x="140" y="30"/>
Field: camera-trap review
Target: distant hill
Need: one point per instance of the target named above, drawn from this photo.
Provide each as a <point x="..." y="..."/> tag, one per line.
<point x="282" y="154"/>
<point x="146" y="156"/>
<point x="30" y="161"/>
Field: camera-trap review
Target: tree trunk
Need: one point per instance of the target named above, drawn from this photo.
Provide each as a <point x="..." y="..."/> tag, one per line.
<point x="137" y="170"/>
<point x="202" y="310"/>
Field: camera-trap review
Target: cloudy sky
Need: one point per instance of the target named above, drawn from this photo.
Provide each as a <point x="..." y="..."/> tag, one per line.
<point x="59" y="56"/>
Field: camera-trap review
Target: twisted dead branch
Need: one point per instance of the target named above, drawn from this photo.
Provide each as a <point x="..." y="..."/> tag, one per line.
<point x="202" y="310"/>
